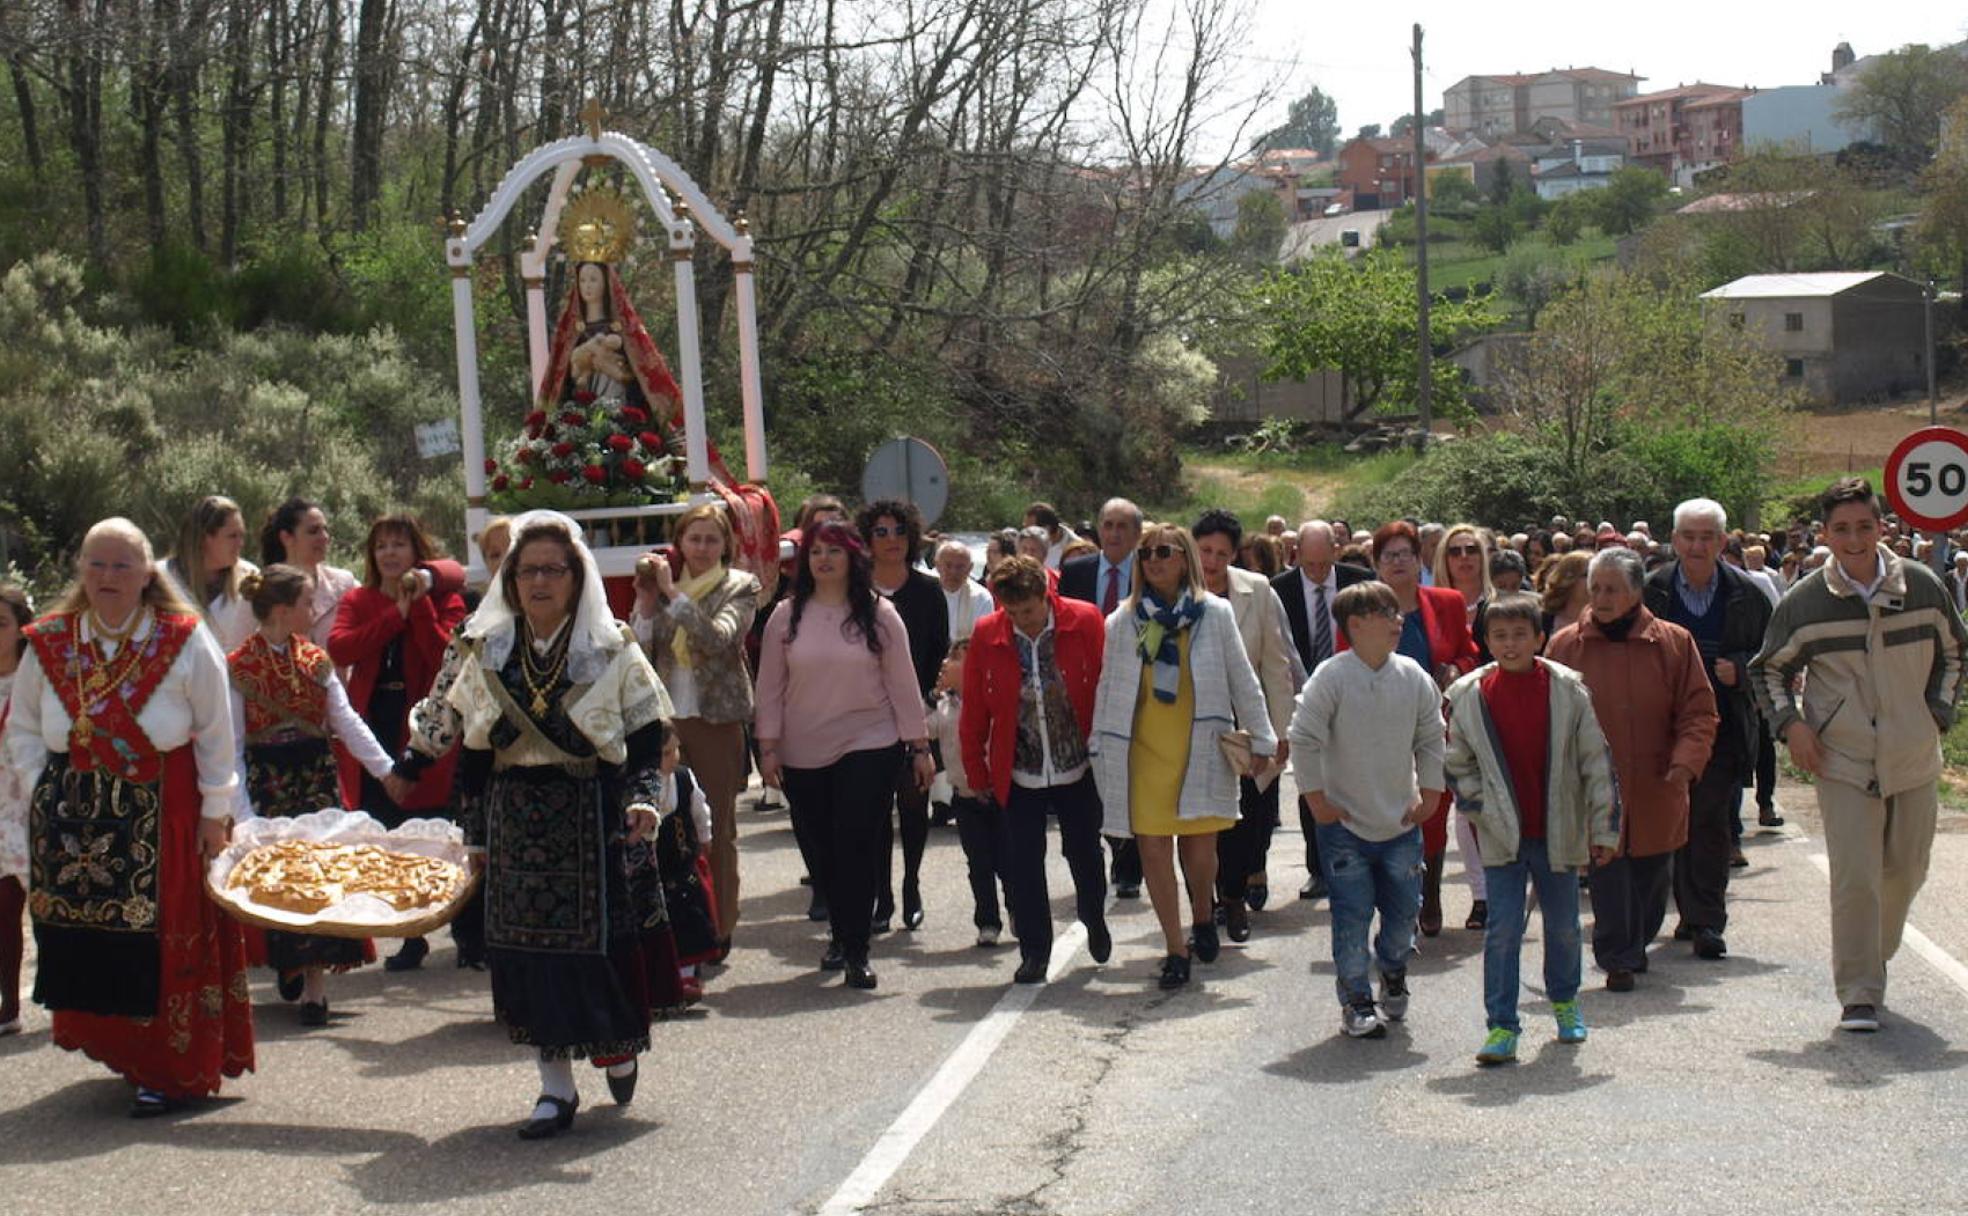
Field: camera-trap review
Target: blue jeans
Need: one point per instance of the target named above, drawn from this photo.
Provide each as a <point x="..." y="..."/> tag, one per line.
<point x="1364" y="876"/>
<point x="1503" y="936"/>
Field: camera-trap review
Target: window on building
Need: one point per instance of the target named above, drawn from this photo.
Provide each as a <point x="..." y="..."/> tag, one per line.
<point x="1793" y="322"/>
<point x="1794" y="369"/>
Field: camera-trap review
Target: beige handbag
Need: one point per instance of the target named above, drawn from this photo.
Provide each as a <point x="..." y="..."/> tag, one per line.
<point x="1236" y="748"/>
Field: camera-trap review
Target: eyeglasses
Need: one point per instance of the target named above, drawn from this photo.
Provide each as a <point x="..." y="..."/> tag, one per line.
<point x="1398" y="555"/>
<point x="1159" y="553"/>
<point x="1465" y="551"/>
<point x="884" y="531"/>
<point x="554" y="574"/>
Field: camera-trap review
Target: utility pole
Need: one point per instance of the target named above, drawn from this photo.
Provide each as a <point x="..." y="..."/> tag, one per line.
<point x="1424" y="350"/>
<point x="1933" y="373"/>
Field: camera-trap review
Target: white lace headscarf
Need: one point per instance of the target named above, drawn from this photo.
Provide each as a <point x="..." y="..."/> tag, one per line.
<point x="596" y="636"/>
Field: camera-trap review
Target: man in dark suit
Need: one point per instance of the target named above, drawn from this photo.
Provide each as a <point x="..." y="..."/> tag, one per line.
<point x="1728" y="614"/>
<point x="1105" y="579"/>
<point x="1307" y="593"/>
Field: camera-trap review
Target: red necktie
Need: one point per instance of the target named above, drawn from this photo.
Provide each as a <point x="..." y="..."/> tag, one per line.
<point x="1111" y="599"/>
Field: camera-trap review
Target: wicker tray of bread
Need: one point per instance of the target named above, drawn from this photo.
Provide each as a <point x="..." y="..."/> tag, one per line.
<point x="342" y="874"/>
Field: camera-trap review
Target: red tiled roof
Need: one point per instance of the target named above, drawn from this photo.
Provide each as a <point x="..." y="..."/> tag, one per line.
<point x="1697" y="89"/>
<point x="1732" y="97"/>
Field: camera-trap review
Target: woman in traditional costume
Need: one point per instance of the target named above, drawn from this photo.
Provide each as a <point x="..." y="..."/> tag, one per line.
<point x="119" y="721"/>
<point x="391" y="633"/>
<point x="563" y="725"/>
<point x="297" y="533"/>
<point x="287" y="703"/>
<point x="209" y="566"/>
<point x="16" y="610"/>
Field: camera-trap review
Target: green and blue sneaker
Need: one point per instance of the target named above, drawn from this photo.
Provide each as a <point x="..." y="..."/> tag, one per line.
<point x="1499" y="1048"/>
<point x="1571" y="1021"/>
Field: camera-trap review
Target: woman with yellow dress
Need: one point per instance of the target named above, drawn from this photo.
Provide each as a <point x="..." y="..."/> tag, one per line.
<point x="1173" y="680"/>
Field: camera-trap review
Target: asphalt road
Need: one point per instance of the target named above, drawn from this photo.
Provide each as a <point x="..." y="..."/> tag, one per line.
<point x="1716" y="1087"/>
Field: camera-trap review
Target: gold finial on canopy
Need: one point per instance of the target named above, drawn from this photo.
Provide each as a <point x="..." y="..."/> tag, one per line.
<point x="598" y="225"/>
<point x="592" y="115"/>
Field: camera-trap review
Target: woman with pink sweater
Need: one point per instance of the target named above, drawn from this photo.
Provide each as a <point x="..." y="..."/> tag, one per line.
<point x="839" y="714"/>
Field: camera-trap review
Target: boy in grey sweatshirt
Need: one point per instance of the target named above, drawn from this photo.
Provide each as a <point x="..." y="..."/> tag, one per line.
<point x="1367" y="747"/>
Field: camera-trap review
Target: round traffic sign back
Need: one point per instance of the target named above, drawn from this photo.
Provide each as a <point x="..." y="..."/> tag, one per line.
<point x="1927" y="479"/>
<point x="911" y="470"/>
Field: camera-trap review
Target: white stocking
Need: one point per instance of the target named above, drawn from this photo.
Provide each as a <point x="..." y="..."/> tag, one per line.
<point x="556" y="1081"/>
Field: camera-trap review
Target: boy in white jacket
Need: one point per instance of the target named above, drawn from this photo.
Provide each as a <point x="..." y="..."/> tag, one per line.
<point x="1366" y="749"/>
<point x="1530" y="764"/>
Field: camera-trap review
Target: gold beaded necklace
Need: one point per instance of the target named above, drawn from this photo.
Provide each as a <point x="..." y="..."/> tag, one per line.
<point x="546" y="668"/>
<point x="105" y="674"/>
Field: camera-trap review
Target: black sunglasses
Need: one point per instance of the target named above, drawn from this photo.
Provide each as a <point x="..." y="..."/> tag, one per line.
<point x="1465" y="551"/>
<point x="1160" y="553"/>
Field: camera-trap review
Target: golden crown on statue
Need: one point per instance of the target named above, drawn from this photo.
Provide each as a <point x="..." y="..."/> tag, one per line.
<point x="598" y="225"/>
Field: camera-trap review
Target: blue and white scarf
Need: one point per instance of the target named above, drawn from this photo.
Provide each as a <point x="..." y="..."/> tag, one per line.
<point x="1160" y="625"/>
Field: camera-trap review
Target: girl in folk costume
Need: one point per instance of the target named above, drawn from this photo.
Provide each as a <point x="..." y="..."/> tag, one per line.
<point x="677" y="857"/>
<point x="286" y="704"/>
<point x="16" y="610"/>
<point x="119" y="722"/>
<point x="297" y="534"/>
<point x="563" y="728"/>
<point x="209" y="567"/>
<point x="390" y="633"/>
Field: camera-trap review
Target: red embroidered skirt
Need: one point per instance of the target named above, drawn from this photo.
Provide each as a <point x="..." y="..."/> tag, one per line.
<point x="203" y="1029"/>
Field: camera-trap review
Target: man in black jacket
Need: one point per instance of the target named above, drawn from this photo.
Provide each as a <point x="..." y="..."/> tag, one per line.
<point x="1104" y="579"/>
<point x="1728" y="617"/>
<point x="1307" y="593"/>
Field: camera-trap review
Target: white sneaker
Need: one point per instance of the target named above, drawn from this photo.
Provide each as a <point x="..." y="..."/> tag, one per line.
<point x="1361" y="1022"/>
<point x="988" y="935"/>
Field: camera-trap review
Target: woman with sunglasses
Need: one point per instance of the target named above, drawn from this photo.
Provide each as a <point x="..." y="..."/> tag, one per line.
<point x="1462" y="562"/>
<point x="840" y="718"/>
<point x="1173" y="679"/>
<point x="1434" y="633"/>
<point x="892" y="530"/>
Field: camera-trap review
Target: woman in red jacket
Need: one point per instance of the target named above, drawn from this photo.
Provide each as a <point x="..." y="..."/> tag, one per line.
<point x="1434" y="633"/>
<point x="1027" y="710"/>
<point x="391" y="632"/>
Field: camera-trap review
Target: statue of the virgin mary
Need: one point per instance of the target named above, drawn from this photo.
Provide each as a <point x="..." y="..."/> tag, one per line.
<point x="601" y="354"/>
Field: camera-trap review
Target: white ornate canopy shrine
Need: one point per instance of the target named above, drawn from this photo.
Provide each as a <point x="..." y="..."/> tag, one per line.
<point x="660" y="178"/>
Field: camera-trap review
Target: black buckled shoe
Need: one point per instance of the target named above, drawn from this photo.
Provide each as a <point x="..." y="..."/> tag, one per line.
<point x="622" y="1089"/>
<point x="1175" y="973"/>
<point x="554" y="1124"/>
<point x="1203" y="942"/>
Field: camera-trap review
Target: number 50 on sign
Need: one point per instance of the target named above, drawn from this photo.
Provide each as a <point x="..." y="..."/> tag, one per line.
<point x="1927" y="479"/>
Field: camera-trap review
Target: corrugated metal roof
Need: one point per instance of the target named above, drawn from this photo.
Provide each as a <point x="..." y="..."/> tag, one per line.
<point x="1777" y="286"/>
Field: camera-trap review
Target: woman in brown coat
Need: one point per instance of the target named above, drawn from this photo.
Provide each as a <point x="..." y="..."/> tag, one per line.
<point x="1652" y="695"/>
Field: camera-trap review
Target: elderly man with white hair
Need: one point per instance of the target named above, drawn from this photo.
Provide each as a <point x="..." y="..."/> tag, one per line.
<point x="964" y="596"/>
<point x="1727" y="613"/>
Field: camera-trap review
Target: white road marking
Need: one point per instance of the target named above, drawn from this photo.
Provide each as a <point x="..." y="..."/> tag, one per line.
<point x="1923" y="945"/>
<point x="946" y="1086"/>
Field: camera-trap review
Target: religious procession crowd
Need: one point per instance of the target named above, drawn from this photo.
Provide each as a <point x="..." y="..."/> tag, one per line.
<point x="1580" y="707"/>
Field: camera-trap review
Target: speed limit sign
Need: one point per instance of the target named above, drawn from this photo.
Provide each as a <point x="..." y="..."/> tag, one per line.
<point x="1927" y="479"/>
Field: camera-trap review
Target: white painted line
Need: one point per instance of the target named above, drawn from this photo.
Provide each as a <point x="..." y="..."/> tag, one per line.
<point x="946" y="1086"/>
<point x="1924" y="946"/>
